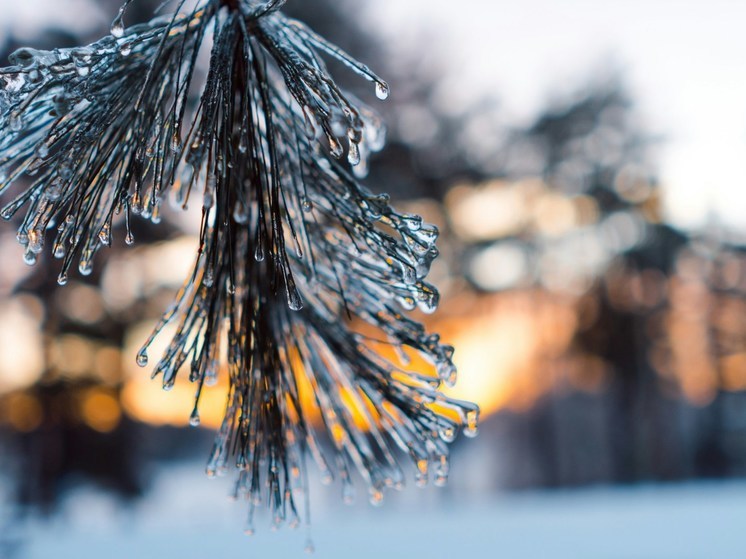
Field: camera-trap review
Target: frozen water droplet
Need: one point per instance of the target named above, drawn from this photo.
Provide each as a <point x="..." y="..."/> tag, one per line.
<point x="194" y="420"/>
<point x="105" y="235"/>
<point x="240" y="213"/>
<point x="335" y="148"/>
<point x="117" y="26"/>
<point x="16" y="122"/>
<point x="470" y="429"/>
<point x="23" y="57"/>
<point x="129" y="238"/>
<point x="441" y="480"/>
<point x="35" y="241"/>
<point x="208" y="200"/>
<point x="259" y="252"/>
<point x="451" y="378"/>
<point x="353" y="155"/>
<point x="422" y="472"/>
<point x="59" y="250"/>
<point x="376" y="497"/>
<point x="447" y="434"/>
<point x="125" y="49"/>
<point x="42" y="151"/>
<point x="85" y="267"/>
<point x="29" y="258"/>
<point x="136" y="203"/>
<point x="311" y="124"/>
<point x="61" y="104"/>
<point x="211" y="378"/>
<point x="243" y="146"/>
<point x="176" y="143"/>
<point x="209" y="278"/>
<point x="413" y="222"/>
<point x="62" y="278"/>
<point x="407" y="303"/>
<point x="142" y="357"/>
<point x="306" y="204"/>
<point x="382" y="90"/>
<point x="295" y="302"/>
<point x="34" y="76"/>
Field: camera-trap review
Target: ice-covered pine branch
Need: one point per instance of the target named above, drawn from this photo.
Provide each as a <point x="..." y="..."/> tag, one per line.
<point x="301" y="272"/>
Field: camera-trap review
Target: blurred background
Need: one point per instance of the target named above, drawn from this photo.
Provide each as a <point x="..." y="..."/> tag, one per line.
<point x="586" y="164"/>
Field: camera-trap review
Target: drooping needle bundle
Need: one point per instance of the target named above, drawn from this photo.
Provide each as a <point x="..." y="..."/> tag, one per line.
<point x="301" y="272"/>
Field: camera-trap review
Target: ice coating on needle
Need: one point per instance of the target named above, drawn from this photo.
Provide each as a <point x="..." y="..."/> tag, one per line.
<point x="303" y="277"/>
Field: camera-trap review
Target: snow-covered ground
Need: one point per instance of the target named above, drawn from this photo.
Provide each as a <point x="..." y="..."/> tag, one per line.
<point x="187" y="515"/>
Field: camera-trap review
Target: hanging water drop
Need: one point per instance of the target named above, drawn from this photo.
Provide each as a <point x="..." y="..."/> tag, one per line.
<point x="240" y="214"/>
<point x="353" y="155"/>
<point x="412" y="222"/>
<point x="23" y="57"/>
<point x="85" y="267"/>
<point x="382" y="90"/>
<point x="295" y="302"/>
<point x="447" y="434"/>
<point x="42" y="151"/>
<point x="117" y="26"/>
<point x="376" y="497"/>
<point x="194" y="419"/>
<point x="335" y="148"/>
<point x="408" y="275"/>
<point x="35" y="241"/>
<point x="104" y="236"/>
<point x="16" y="122"/>
<point x="142" y="357"/>
<point x="470" y="429"/>
<point x="125" y="49"/>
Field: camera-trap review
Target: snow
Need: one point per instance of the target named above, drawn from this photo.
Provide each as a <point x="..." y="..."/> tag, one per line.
<point x="187" y="515"/>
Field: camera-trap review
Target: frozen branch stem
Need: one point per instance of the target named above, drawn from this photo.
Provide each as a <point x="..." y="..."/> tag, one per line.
<point x="297" y="262"/>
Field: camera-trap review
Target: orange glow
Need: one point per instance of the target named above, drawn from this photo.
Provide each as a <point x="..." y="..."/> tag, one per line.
<point x="691" y="350"/>
<point x="504" y="343"/>
<point x="100" y="410"/>
<point x="733" y="368"/>
<point x="23" y="412"/>
<point x="145" y="400"/>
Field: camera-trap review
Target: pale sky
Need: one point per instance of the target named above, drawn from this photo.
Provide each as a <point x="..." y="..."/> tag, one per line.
<point x="685" y="61"/>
